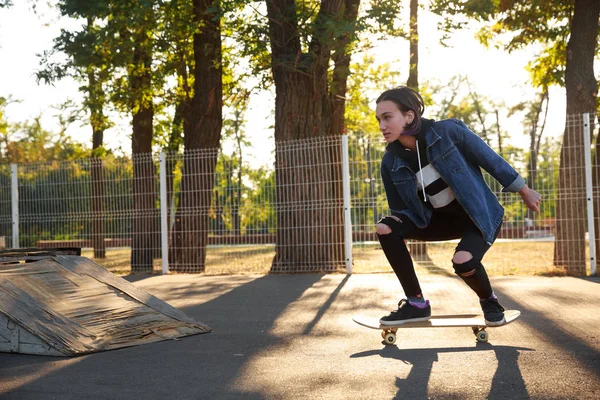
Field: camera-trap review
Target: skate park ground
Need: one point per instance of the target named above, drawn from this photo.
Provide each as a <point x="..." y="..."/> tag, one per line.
<point x="292" y="337"/>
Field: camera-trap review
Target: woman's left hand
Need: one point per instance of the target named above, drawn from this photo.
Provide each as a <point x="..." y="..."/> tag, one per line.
<point x="531" y="198"/>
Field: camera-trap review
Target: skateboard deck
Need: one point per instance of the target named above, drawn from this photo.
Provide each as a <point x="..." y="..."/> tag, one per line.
<point x="474" y="321"/>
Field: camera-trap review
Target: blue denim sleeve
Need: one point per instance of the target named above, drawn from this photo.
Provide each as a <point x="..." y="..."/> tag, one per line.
<point x="395" y="202"/>
<point x="477" y="151"/>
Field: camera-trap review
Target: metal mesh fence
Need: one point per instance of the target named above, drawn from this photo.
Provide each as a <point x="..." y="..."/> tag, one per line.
<point x="221" y="215"/>
<point x="90" y="204"/>
<point x="309" y="206"/>
<point x="5" y="206"/>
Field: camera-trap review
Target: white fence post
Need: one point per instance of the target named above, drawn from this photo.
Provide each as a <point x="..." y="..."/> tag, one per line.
<point x="164" y="210"/>
<point x="347" y="215"/>
<point x="14" y="191"/>
<point x="589" y="192"/>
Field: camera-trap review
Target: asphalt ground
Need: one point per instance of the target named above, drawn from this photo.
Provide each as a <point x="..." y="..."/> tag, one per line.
<point x="292" y="337"/>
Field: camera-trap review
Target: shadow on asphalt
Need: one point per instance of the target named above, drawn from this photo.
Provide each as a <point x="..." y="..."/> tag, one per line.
<point x="199" y="366"/>
<point x="132" y="278"/>
<point x="551" y="330"/>
<point x="507" y="379"/>
<point x="593" y="279"/>
<point x="326" y="306"/>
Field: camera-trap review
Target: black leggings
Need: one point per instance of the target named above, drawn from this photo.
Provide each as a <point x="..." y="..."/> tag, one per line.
<point x="443" y="226"/>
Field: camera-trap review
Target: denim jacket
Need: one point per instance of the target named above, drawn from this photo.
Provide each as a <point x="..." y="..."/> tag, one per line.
<point x="458" y="155"/>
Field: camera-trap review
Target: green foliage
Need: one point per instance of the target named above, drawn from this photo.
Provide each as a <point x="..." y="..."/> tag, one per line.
<point x="514" y="25"/>
<point x="547" y="177"/>
<point x="3" y="122"/>
<point x="380" y="21"/>
<point x="365" y="83"/>
<point x="548" y="68"/>
<point x="29" y="142"/>
<point x="243" y="206"/>
<point x="246" y="34"/>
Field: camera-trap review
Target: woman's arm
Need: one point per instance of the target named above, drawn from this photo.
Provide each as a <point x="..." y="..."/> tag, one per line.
<point x="477" y="151"/>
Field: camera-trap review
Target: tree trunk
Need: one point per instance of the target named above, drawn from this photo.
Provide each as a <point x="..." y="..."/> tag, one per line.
<point x="144" y="225"/>
<point x="413" y="70"/>
<point x="341" y="58"/>
<point x="144" y="228"/>
<point x="308" y="173"/>
<point x="176" y="135"/>
<point x="582" y="88"/>
<point x="95" y="103"/>
<point x="97" y="168"/>
<point x="236" y="220"/>
<point x="417" y="248"/>
<point x="173" y="148"/>
<point x="202" y="130"/>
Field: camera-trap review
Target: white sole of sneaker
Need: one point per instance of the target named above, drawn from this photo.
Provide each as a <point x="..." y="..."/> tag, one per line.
<point x="404" y="321"/>
<point x="496" y="323"/>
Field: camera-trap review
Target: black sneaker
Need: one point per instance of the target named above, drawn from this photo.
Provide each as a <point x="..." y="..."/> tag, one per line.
<point x="493" y="312"/>
<point x="407" y="312"/>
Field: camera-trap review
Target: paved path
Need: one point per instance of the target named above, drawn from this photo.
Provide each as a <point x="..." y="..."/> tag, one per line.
<point x="292" y="337"/>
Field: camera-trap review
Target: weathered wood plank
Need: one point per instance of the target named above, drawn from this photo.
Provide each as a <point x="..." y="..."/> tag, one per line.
<point x="83" y="266"/>
<point x="68" y="305"/>
<point x="63" y="334"/>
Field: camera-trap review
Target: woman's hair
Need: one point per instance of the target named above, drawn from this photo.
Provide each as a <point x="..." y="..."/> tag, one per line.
<point x="406" y="99"/>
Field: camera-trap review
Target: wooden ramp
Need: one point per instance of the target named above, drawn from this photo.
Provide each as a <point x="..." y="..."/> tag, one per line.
<point x="67" y="305"/>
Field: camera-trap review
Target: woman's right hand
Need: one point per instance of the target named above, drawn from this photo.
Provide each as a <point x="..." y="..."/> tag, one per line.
<point x="531" y="198"/>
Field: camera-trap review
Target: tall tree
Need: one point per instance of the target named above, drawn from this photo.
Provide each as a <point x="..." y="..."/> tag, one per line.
<point x="418" y="249"/>
<point x="582" y="91"/>
<point x="310" y="216"/>
<point x="176" y="41"/>
<point x="233" y="129"/>
<point x="138" y="43"/>
<point x="202" y="123"/>
<point x="341" y="56"/>
<point x="568" y="32"/>
<point x="88" y="60"/>
<point x="413" y="37"/>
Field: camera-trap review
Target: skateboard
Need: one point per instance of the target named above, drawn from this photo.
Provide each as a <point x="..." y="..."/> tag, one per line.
<point x="474" y="321"/>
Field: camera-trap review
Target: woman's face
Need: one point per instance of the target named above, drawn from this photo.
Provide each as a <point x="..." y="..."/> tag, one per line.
<point x="391" y="120"/>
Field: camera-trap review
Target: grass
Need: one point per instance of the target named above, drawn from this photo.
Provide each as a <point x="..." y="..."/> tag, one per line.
<point x="504" y="258"/>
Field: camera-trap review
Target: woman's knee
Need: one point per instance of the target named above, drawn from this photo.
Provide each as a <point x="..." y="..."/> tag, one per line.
<point x="383" y="229"/>
<point x="464" y="264"/>
<point x="461" y="257"/>
<point x="387" y="225"/>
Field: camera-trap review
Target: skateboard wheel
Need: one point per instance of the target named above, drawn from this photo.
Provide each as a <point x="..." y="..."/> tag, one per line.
<point x="389" y="337"/>
<point x="482" y="336"/>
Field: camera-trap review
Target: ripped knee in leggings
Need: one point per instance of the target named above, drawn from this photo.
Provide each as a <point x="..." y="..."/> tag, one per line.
<point x="387" y="225"/>
<point x="464" y="264"/>
<point x="383" y="229"/>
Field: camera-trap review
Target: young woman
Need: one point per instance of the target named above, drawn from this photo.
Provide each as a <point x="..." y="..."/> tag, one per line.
<point x="435" y="189"/>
